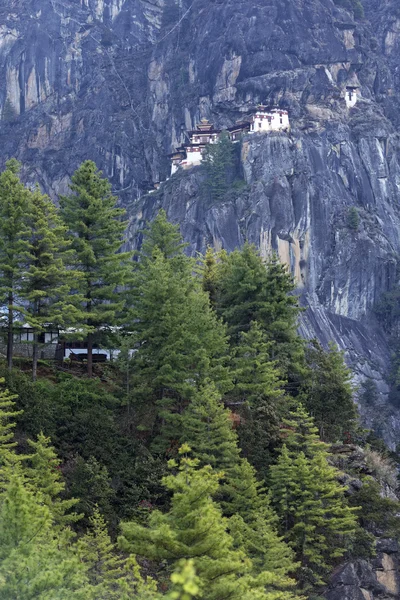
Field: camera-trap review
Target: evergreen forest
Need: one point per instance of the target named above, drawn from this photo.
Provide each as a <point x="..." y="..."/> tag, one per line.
<point x="210" y="458"/>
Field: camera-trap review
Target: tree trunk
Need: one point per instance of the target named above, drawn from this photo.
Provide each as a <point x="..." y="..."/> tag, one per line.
<point x="35" y="356"/>
<point x="90" y="355"/>
<point x="10" y="332"/>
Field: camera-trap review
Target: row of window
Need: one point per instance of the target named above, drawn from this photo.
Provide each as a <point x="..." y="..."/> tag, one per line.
<point x="43" y="338"/>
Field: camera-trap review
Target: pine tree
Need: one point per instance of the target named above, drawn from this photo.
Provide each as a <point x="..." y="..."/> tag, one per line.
<point x="353" y="218"/>
<point x="43" y="473"/>
<point x="97" y="229"/>
<point x="328" y="393"/>
<point x="300" y="434"/>
<point x="13" y="246"/>
<point x="218" y="162"/>
<point x="90" y="482"/>
<point x="164" y="236"/>
<point x="8" y="416"/>
<point x="207" y="428"/>
<point x="254" y="524"/>
<point x="37" y="562"/>
<point x="98" y="552"/>
<point x="47" y="278"/>
<point x="112" y="575"/>
<point x="195" y="529"/>
<point x="257" y="395"/>
<point x="9" y="113"/>
<point x="251" y="290"/>
<point x="209" y="274"/>
<point x="180" y="341"/>
<point x="369" y="394"/>
<point x="314" y="515"/>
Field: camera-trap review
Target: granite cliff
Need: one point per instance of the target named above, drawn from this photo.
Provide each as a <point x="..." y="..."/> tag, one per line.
<point x="120" y="81"/>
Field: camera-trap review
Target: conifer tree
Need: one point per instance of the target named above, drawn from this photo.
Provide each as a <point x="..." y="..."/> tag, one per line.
<point x="314" y="515"/>
<point x="195" y="529"/>
<point x="257" y="395"/>
<point x="251" y="290"/>
<point x="113" y="576"/>
<point x="328" y="393"/>
<point x="209" y="274"/>
<point x="254" y="524"/>
<point x="97" y="228"/>
<point x="97" y="551"/>
<point x="180" y="341"/>
<point x="43" y="473"/>
<point x="218" y="162"/>
<point x="36" y="561"/>
<point x="47" y="278"/>
<point x="8" y="415"/>
<point x="207" y="428"/>
<point x="164" y="236"/>
<point x="13" y="245"/>
<point x="9" y="113"/>
<point x="300" y="434"/>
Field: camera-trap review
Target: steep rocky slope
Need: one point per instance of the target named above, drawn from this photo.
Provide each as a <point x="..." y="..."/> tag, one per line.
<point x="120" y="81"/>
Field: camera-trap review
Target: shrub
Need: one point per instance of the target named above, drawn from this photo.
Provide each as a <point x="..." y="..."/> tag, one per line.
<point x="353" y="218"/>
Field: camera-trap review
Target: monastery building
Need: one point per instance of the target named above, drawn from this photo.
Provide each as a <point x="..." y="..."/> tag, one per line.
<point x="351" y="96"/>
<point x="261" y="120"/>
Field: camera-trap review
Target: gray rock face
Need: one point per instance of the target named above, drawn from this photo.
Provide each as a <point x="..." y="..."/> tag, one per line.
<point x="368" y="580"/>
<point x="120" y="81"/>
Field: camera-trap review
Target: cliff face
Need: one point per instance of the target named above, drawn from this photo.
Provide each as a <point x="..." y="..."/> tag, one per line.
<point x="119" y="81"/>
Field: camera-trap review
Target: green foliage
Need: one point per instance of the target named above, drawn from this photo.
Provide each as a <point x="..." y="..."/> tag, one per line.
<point x="8" y="416"/>
<point x="208" y="529"/>
<point x="47" y="279"/>
<point x="43" y="473"/>
<point x="112" y="576"/>
<point x="97" y="228"/>
<point x="36" y="561"/>
<point x="185" y="583"/>
<point x="257" y="395"/>
<point x="300" y="433"/>
<point x="217" y="163"/>
<point x="387" y="309"/>
<point x="13" y="246"/>
<point x="251" y="290"/>
<point x="9" y="113"/>
<point x="369" y="393"/>
<point x="180" y="342"/>
<point x="353" y="218"/>
<point x="195" y="529"/>
<point x="328" y="393"/>
<point x="378" y="514"/>
<point x="77" y="413"/>
<point x="315" y="518"/>
<point x="209" y="274"/>
<point x="91" y="483"/>
<point x="207" y="428"/>
<point x="164" y="236"/>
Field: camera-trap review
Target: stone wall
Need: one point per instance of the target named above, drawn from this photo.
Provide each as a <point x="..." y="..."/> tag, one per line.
<point x="46" y="351"/>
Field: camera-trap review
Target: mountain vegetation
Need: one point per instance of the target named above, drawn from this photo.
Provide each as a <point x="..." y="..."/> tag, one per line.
<point x="202" y="462"/>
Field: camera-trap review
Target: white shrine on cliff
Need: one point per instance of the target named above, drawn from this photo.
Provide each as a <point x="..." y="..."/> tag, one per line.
<point x="261" y="120"/>
<point x="351" y="96"/>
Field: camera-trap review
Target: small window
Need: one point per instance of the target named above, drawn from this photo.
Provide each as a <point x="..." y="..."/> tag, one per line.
<point x="260" y="125"/>
<point x="281" y="120"/>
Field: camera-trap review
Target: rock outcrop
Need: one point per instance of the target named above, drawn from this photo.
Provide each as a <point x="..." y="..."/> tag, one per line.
<point x="120" y="81"/>
<point x="368" y="580"/>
